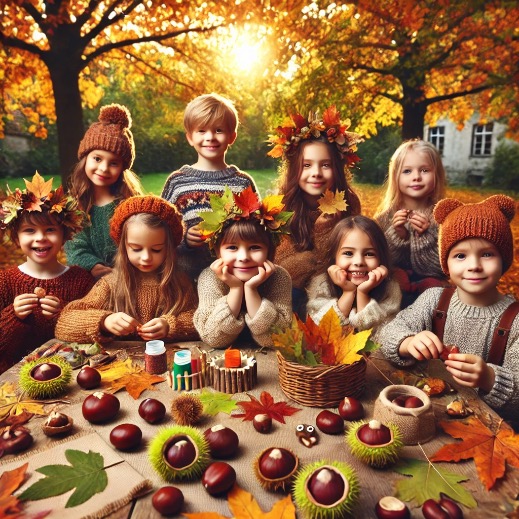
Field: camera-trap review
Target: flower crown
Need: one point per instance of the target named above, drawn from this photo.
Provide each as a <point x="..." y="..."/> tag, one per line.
<point x="329" y="126"/>
<point x="245" y="205"/>
<point x="39" y="197"/>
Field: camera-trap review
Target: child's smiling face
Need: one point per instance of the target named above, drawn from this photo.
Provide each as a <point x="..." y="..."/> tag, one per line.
<point x="41" y="242"/>
<point x="242" y="258"/>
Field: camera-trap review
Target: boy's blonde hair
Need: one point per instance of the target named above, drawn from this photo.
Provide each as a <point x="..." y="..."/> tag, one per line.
<point x="209" y="109"/>
<point x="393" y="197"/>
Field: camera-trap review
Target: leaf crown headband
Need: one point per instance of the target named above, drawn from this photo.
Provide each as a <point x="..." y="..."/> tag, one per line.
<point x="329" y="126"/>
<point x="246" y="205"/>
<point x="38" y="196"/>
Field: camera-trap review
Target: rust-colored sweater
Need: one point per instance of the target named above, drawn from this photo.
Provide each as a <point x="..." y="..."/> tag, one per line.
<point x="81" y="320"/>
<point x="18" y="337"/>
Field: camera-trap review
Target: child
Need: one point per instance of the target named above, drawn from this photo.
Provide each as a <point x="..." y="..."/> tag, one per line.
<point x="243" y="291"/>
<point x="415" y="182"/>
<point x="316" y="154"/>
<point x="38" y="220"/>
<point x="475" y="249"/>
<point x="211" y="123"/>
<point x="145" y="296"/>
<point x="357" y="284"/>
<point x="100" y="180"/>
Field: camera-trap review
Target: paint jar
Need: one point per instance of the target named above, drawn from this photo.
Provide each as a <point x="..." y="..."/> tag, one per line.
<point x="155" y="359"/>
<point x="181" y="369"/>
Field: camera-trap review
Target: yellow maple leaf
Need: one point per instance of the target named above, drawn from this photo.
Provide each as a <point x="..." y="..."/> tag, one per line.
<point x="13" y="404"/>
<point x="38" y="186"/>
<point x="331" y="203"/>
<point x="273" y="204"/>
<point x="347" y="348"/>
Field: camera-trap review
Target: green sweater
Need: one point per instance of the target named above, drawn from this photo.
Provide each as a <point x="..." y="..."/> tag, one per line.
<point x="93" y="244"/>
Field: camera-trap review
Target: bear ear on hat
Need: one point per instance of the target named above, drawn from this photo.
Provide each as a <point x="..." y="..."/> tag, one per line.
<point x="444" y="207"/>
<point x="504" y="203"/>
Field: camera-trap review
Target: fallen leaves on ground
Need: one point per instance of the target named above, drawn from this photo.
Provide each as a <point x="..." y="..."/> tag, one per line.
<point x="13" y="404"/>
<point x="265" y="405"/>
<point x="490" y="450"/>
<point x="216" y="402"/>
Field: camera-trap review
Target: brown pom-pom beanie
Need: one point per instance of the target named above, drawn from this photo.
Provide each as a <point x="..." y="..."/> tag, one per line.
<point x="147" y="204"/>
<point x="489" y="220"/>
<point x="112" y="133"/>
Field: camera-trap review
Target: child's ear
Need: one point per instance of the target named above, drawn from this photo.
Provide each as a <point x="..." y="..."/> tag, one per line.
<point x="233" y="138"/>
<point x="189" y="139"/>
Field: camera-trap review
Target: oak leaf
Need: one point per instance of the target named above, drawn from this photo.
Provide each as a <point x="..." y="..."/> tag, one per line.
<point x="331" y="203"/>
<point x="490" y="450"/>
<point x="265" y="405"/>
<point x="216" y="402"/>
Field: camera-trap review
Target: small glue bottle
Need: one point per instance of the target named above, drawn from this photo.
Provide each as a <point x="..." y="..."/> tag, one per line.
<point x="155" y="359"/>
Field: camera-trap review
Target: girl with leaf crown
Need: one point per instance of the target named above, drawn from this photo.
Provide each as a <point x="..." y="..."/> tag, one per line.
<point x="39" y="220"/>
<point x="243" y="294"/>
<point x="314" y="179"/>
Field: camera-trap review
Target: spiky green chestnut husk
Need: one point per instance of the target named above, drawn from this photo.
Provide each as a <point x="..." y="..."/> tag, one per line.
<point x="311" y="510"/>
<point x="43" y="389"/>
<point x="376" y="456"/>
<point x="166" y="471"/>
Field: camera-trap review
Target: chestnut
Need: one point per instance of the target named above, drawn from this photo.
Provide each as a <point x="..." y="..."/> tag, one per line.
<point x="223" y="441"/>
<point x="100" y="407"/>
<point x="88" y="378"/>
<point x="180" y="452"/>
<point x="350" y="409"/>
<point x="56" y="419"/>
<point x="390" y="507"/>
<point x="126" y="436"/>
<point x="262" y="423"/>
<point x="152" y="410"/>
<point x="46" y="371"/>
<point x="329" y="423"/>
<point x="400" y="400"/>
<point x="445" y="508"/>
<point x="326" y="486"/>
<point x="15" y="440"/>
<point x="413" y="402"/>
<point x="168" y="501"/>
<point x="57" y="424"/>
<point x="374" y="433"/>
<point x="219" y="478"/>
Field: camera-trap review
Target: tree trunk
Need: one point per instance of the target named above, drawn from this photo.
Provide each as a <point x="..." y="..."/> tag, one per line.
<point x="414" y="118"/>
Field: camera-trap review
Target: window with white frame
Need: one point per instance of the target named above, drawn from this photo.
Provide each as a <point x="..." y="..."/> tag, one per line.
<point x="482" y="139"/>
<point x="437" y="137"/>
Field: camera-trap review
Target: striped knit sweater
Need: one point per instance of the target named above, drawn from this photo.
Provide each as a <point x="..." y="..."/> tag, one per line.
<point x="18" y="337"/>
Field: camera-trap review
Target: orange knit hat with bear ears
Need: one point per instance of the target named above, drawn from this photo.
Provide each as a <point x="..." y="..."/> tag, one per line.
<point x="489" y="220"/>
<point x="166" y="211"/>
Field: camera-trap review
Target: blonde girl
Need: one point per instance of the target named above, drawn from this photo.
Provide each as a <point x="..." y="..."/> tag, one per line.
<point x="100" y="180"/>
<point x="145" y="296"/>
<point x="415" y="182"/>
<point x="357" y="281"/>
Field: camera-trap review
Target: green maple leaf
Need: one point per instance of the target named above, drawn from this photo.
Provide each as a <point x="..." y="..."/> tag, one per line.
<point x="215" y="402"/>
<point x="85" y="473"/>
<point x="428" y="482"/>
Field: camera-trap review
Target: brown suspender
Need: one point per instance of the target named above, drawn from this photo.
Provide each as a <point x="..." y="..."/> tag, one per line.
<point x="497" y="348"/>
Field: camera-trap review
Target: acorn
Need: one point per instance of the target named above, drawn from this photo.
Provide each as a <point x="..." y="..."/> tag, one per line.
<point x="100" y="407"/>
<point x="45" y="377"/>
<point x="329" y="423"/>
<point x="57" y="424"/>
<point x="152" y="410"/>
<point x="351" y="409"/>
<point x="326" y="490"/>
<point x="223" y="441"/>
<point x="275" y="468"/>
<point x="168" y="501"/>
<point x="187" y="409"/>
<point x="88" y="378"/>
<point x="389" y="507"/>
<point x="219" y="478"/>
<point x="179" y="452"/>
<point x="374" y="443"/>
<point x="262" y="423"/>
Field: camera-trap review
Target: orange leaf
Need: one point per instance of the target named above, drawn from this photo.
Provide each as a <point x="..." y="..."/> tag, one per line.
<point x="331" y="116"/>
<point x="490" y="451"/>
<point x="248" y="201"/>
<point x="38" y="187"/>
<point x="331" y="203"/>
<point x="10" y="481"/>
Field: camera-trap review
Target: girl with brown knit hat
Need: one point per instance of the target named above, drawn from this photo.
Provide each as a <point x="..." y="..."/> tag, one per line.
<point x="100" y="180"/>
<point x="475" y="249"/>
<point x="145" y="297"/>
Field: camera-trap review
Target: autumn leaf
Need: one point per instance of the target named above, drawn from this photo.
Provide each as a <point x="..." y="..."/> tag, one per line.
<point x="265" y="405"/>
<point x="272" y="204"/>
<point x="216" y="402"/>
<point x="14" y="420"/>
<point x="428" y="482"/>
<point x="247" y="201"/>
<point x="331" y="116"/>
<point x="348" y="347"/>
<point x="432" y="386"/>
<point x="85" y="474"/>
<point x="289" y="341"/>
<point x="331" y="203"/>
<point x="127" y="375"/>
<point x="444" y="355"/>
<point x="13" y="404"/>
<point x="38" y="186"/>
<point x="490" y="451"/>
<point x="10" y="481"/>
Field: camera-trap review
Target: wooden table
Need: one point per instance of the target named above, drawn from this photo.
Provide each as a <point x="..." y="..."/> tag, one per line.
<point x="374" y="483"/>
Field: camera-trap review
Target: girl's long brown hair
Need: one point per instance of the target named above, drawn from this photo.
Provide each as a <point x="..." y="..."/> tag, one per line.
<point x="173" y="286"/>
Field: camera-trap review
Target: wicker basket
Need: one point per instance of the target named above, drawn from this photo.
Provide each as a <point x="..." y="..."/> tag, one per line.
<point x="321" y="386"/>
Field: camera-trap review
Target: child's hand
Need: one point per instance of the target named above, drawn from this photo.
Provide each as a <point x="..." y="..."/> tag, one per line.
<point x="222" y="273"/>
<point x="340" y="278"/>
<point x="419" y="222"/>
<point x="263" y="274"/>
<point x="50" y="306"/>
<point x="422" y="346"/>
<point x="470" y="370"/>
<point x="375" y="277"/>
<point x="194" y="237"/>
<point x="399" y="221"/>
<point x="120" y="324"/>
<point x="24" y="304"/>
<point x="157" y="328"/>
<point x="100" y="270"/>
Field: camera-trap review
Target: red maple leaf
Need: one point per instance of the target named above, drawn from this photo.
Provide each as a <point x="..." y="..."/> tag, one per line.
<point x="444" y="355"/>
<point x="247" y="201"/>
<point x="265" y="405"/>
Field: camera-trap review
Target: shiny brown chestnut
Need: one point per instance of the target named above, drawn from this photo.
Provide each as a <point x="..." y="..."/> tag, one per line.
<point x="46" y="371"/>
<point x="399" y="400"/>
<point x="218" y="478"/>
<point x="262" y="423"/>
<point x="100" y="407"/>
<point x="445" y="508"/>
<point x="351" y="409"/>
<point x="152" y="410"/>
<point x="57" y="424"/>
<point x="126" y="436"/>
<point x="180" y="452"/>
<point x="88" y="378"/>
<point x="223" y="441"/>
<point x="390" y="507"/>
<point x="15" y="440"/>
<point x="329" y="423"/>
<point x="413" y="402"/>
<point x="326" y="486"/>
<point x="168" y="501"/>
<point x="374" y="433"/>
